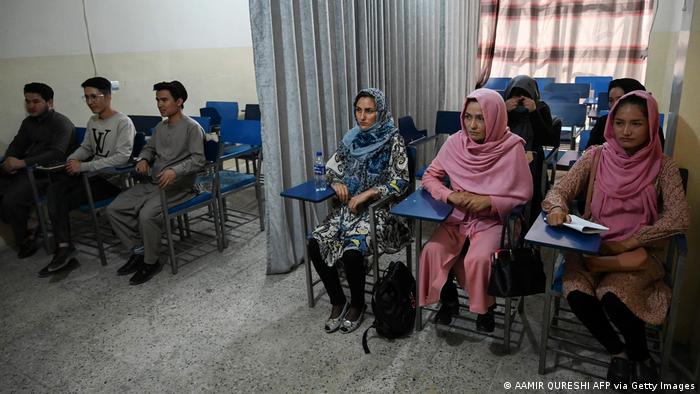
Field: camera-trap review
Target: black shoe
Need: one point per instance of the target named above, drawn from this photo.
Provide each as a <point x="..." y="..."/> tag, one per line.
<point x="131" y="265"/>
<point x="619" y="372"/>
<point x="144" y="273"/>
<point x="644" y="372"/>
<point x="45" y="273"/>
<point x="61" y="258"/>
<point x="486" y="322"/>
<point x="27" y="248"/>
<point x="446" y="311"/>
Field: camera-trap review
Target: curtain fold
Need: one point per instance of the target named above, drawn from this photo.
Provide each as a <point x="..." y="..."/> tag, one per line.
<point x="311" y="58"/>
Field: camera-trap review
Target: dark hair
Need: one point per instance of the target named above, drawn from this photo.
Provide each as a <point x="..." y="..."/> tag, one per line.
<point x="361" y="95"/>
<point x="626" y="84"/>
<point x="176" y="89"/>
<point x="634" y="100"/>
<point x="100" y="83"/>
<point x="41" y="89"/>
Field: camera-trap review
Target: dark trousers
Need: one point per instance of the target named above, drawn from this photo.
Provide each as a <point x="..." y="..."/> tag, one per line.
<point x="596" y="316"/>
<point x="17" y="200"/>
<point x="67" y="193"/>
<point x="353" y="264"/>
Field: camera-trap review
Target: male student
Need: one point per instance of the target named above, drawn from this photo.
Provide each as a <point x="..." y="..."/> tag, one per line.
<point x="108" y="142"/>
<point x="43" y="138"/>
<point x="170" y="160"/>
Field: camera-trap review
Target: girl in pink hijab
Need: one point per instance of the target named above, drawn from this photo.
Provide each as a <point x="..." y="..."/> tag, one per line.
<point x="489" y="175"/>
<point x="638" y="194"/>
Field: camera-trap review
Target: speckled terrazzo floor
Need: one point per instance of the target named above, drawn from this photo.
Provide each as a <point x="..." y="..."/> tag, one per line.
<point x="222" y="325"/>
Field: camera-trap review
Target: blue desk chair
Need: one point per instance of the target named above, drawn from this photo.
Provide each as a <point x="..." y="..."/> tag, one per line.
<point x="226" y="109"/>
<point x="583" y="140"/>
<point x="145" y="123"/>
<point x="408" y="130"/>
<point x="603" y="104"/>
<point x="542" y="82"/>
<point x="560" y="97"/>
<point x="582" y="89"/>
<point x="251" y="112"/>
<point x="203" y="121"/>
<point x="573" y="118"/>
<point x="446" y="123"/>
<point x="212" y="114"/>
<point x="597" y="83"/>
<point x="497" y="83"/>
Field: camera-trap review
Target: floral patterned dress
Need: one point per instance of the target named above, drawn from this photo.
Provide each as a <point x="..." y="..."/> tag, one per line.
<point x="387" y="171"/>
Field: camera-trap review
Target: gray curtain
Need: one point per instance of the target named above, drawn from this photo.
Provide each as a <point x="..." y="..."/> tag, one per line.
<point x="311" y="58"/>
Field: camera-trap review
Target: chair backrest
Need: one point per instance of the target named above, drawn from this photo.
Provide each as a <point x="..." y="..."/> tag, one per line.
<point x="570" y="114"/>
<point x="203" y="121"/>
<point x="212" y="150"/>
<point x="408" y="130"/>
<point x="499" y="83"/>
<point x="76" y="139"/>
<point x="582" y="89"/>
<point x="583" y="141"/>
<point x="661" y="119"/>
<point x="543" y="81"/>
<point x="412" y="153"/>
<point x="212" y="114"/>
<point x="501" y="92"/>
<point x="145" y="123"/>
<point x="139" y="143"/>
<point x="603" y="104"/>
<point x="252" y="112"/>
<point x="597" y="83"/>
<point x="447" y="122"/>
<point x="241" y="131"/>
<point x="227" y="109"/>
<point x="562" y="97"/>
<point x="556" y="126"/>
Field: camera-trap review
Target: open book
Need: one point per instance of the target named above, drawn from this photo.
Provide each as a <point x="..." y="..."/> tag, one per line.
<point x="584" y="226"/>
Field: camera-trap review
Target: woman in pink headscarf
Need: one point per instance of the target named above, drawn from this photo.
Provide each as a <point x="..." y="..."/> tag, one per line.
<point x="489" y="175"/>
<point x="638" y="194"/>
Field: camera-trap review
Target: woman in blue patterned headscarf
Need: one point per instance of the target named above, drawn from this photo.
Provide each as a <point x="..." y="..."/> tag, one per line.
<point x="370" y="163"/>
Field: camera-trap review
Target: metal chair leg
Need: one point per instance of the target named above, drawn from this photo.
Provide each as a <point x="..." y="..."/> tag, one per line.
<point x="507" y="323"/>
<point x="168" y="231"/>
<point x="93" y="213"/>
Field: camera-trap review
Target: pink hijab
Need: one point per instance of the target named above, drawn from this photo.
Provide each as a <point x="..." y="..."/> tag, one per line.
<point x="624" y="198"/>
<point x="497" y="167"/>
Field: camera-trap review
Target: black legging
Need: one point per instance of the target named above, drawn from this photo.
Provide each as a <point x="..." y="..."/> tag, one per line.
<point x="353" y="264"/>
<point x="594" y="314"/>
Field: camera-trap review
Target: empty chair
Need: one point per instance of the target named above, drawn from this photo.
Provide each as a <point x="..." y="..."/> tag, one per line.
<point x="203" y="121"/>
<point x="145" y="123"/>
<point x="212" y="114"/>
<point x="543" y="81"/>
<point x="597" y="83"/>
<point x="582" y="89"/>
<point x="603" y="104"/>
<point x="252" y="112"/>
<point x="497" y="83"/>
<point x="227" y="109"/>
<point x="562" y="97"/>
<point x="408" y="130"/>
<point x="573" y="118"/>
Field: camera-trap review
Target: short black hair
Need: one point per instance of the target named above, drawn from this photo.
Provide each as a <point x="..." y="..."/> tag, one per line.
<point x="100" y="83"/>
<point x="634" y="100"/>
<point x="176" y="89"/>
<point x="41" y="89"/>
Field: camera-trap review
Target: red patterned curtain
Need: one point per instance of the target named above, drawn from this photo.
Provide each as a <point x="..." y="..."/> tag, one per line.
<point x="564" y="39"/>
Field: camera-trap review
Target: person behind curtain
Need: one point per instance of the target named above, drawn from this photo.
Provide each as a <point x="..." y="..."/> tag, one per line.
<point x="530" y="118"/>
<point x="639" y="196"/>
<point x="370" y="163"/>
<point x="616" y="89"/>
<point x="489" y="176"/>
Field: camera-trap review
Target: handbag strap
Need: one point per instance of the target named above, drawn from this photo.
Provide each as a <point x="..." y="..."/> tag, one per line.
<point x="505" y="233"/>
<point x="591" y="180"/>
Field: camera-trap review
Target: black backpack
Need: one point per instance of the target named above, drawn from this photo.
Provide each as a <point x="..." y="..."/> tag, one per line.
<point x="393" y="303"/>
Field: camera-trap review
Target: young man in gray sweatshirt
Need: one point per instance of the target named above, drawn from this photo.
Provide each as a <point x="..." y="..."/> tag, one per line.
<point x="108" y="142"/>
<point x="170" y="160"/>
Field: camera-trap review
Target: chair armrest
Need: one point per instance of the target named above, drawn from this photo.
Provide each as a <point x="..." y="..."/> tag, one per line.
<point x="382" y="202"/>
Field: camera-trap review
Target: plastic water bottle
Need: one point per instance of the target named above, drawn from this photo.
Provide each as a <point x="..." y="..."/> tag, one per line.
<point x="320" y="172"/>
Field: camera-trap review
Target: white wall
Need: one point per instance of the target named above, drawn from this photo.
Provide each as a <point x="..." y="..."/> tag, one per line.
<point x="205" y="44"/>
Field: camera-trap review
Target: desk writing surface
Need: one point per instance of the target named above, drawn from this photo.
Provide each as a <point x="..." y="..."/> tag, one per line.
<point x="422" y="206"/>
<point x="307" y="192"/>
<point x="566" y="159"/>
<point x="562" y="238"/>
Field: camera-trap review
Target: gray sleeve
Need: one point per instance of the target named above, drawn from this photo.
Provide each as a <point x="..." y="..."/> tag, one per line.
<point x="122" y="149"/>
<point x="195" y="161"/>
<point x="86" y="148"/>
<point x="148" y="152"/>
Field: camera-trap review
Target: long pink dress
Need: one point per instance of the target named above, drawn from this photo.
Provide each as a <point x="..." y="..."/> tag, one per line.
<point x="497" y="168"/>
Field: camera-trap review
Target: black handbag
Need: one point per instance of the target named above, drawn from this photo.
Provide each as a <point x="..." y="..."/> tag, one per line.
<point x="516" y="271"/>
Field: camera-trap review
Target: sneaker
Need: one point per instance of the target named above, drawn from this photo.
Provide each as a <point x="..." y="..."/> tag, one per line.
<point x="27" y="248"/>
<point x="144" y="273"/>
<point x="446" y="311"/>
<point x="619" y="372"/>
<point x="486" y="322"/>
<point x="61" y="258"/>
<point x="45" y="273"/>
<point x="131" y="265"/>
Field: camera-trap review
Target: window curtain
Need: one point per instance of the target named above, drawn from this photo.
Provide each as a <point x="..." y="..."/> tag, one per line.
<point x="311" y="58"/>
<point x="564" y="39"/>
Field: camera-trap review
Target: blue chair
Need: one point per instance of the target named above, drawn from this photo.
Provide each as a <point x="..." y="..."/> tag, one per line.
<point x="542" y="82"/>
<point x="583" y="140"/>
<point x="408" y="130"/>
<point x="497" y="83"/>
<point x="597" y="83"/>
<point x="212" y="114"/>
<point x="204" y="198"/>
<point x="573" y="118"/>
<point x="603" y="104"/>
<point x="562" y="97"/>
<point x="226" y="109"/>
<point x="145" y="123"/>
<point x="251" y="112"/>
<point x="661" y="119"/>
<point x="582" y="89"/>
<point x="203" y="121"/>
<point x="446" y="123"/>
